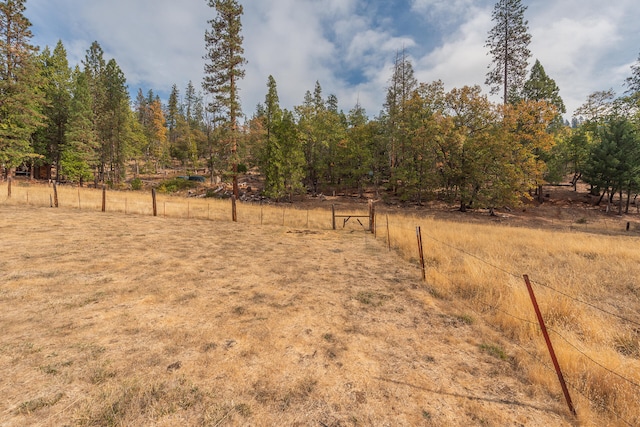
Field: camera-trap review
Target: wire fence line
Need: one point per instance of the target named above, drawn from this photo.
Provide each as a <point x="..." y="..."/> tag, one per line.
<point x="274" y="211"/>
<point x="494" y="308"/>
<point x="135" y="202"/>
<point x="519" y="277"/>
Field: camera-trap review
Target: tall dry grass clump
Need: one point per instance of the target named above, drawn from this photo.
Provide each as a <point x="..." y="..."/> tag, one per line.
<point x="587" y="288"/>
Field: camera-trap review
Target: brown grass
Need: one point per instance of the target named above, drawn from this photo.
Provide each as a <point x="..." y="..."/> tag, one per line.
<point x="481" y="266"/>
<point x="112" y="319"/>
<point x="120" y="318"/>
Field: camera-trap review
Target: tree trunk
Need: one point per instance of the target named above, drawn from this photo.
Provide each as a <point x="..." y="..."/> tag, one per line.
<point x="620" y="204"/>
<point x="540" y="194"/>
<point x="626" y="210"/>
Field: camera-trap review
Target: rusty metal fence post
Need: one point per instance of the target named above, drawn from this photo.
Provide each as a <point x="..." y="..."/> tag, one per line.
<point x="421" y="253"/>
<point x="547" y="339"/>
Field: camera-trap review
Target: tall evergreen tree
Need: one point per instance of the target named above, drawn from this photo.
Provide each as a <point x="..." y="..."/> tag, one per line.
<point x="79" y="156"/>
<point x="541" y="87"/>
<point x="399" y="92"/>
<point x="117" y="115"/>
<point x="57" y="90"/>
<point x="111" y="112"/>
<point x="508" y="43"/>
<point x="141" y="108"/>
<point x="224" y="68"/>
<point x="614" y="162"/>
<point x="20" y="81"/>
<point x="94" y="68"/>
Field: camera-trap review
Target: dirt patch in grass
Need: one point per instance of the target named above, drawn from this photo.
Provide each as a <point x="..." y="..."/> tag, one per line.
<point x="114" y="320"/>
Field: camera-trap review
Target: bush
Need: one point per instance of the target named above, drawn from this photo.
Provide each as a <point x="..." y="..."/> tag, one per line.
<point x="176" y="184"/>
<point x="136" y="184"/>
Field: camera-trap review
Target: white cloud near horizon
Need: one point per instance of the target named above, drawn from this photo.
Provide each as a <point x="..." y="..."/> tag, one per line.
<point x="346" y="45"/>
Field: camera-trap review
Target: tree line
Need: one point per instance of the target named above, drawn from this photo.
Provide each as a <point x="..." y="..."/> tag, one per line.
<point x="425" y="143"/>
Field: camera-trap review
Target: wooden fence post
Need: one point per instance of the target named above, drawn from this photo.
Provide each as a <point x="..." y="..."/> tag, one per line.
<point x="55" y="195"/>
<point x="388" y="235"/>
<point x="104" y="198"/>
<point x="333" y="216"/>
<point x="234" y="210"/>
<point x="9" y="187"/>
<point x="554" y="359"/>
<point x="372" y="217"/>
<point x="155" y="204"/>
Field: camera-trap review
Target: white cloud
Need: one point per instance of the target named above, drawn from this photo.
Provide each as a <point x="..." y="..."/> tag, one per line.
<point x="462" y="59"/>
<point x="448" y="9"/>
<point x="584" y="45"/>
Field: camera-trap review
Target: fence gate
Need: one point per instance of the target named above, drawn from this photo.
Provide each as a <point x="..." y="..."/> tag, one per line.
<point x="347" y="217"/>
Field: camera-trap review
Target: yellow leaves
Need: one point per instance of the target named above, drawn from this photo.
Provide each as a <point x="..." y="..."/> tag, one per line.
<point x="158" y="128"/>
<point x="528" y="122"/>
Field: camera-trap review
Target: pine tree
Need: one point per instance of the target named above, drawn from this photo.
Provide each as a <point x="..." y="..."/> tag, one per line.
<point x="111" y="112"/>
<point x="282" y="160"/>
<point x="117" y="115"/>
<point x="355" y="156"/>
<point x="508" y="43"/>
<point x="224" y="69"/>
<point x="57" y="90"/>
<point x="541" y="87"/>
<point x="614" y="162"/>
<point x="399" y="92"/>
<point x="20" y="82"/>
<point x="79" y="156"/>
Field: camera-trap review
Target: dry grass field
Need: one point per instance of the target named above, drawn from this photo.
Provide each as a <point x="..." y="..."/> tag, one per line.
<point x="121" y="318"/>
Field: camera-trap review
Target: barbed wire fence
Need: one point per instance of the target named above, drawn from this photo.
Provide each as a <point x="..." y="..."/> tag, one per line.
<point x="578" y="385"/>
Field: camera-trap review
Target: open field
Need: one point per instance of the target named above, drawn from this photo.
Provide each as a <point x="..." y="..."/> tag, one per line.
<point x="113" y="319"/>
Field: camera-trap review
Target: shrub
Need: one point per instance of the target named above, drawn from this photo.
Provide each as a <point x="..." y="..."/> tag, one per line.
<point x="136" y="184"/>
<point x="176" y="184"/>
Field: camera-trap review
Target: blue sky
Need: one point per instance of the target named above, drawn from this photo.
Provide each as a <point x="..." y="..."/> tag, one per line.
<point x="347" y="45"/>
